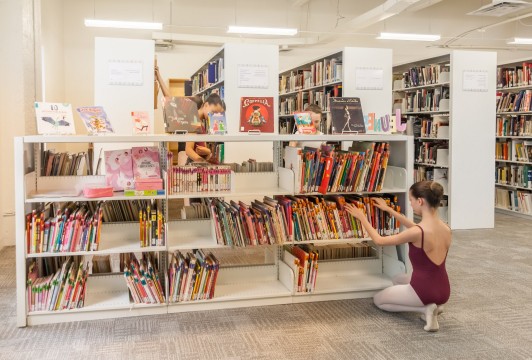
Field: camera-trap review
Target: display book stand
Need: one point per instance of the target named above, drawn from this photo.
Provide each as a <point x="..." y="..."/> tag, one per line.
<point x="514" y="127"/>
<point x="107" y="296"/>
<point x="471" y="84"/>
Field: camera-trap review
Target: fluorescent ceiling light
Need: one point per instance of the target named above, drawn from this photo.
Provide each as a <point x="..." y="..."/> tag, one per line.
<point x="521" y="41"/>
<point x="261" y="30"/>
<point x="123" y="24"/>
<point x="413" y="37"/>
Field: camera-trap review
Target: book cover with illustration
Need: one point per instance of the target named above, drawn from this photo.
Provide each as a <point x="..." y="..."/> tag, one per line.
<point x="146" y="162"/>
<point x="54" y="118"/>
<point x="347" y="116"/>
<point x="181" y="114"/>
<point x="95" y="119"/>
<point x="119" y="169"/>
<point x="304" y="123"/>
<point x="256" y="113"/>
<point x="217" y="123"/>
<point x="141" y="122"/>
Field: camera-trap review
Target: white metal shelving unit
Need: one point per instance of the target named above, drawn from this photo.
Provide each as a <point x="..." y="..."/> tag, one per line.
<point x="107" y="295"/>
<point x="468" y="181"/>
<point x="509" y="190"/>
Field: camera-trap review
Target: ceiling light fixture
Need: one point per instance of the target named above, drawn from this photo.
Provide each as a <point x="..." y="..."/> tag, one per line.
<point x="261" y="30"/>
<point x="521" y="41"/>
<point x="411" y="37"/>
<point x="123" y="24"/>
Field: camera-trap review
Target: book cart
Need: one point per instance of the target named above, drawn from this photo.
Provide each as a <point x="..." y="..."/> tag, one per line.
<point x="513" y="158"/>
<point x="447" y="100"/>
<point x="107" y="296"/>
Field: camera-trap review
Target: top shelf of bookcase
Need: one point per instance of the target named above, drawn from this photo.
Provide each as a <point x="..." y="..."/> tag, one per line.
<point x="40" y="139"/>
<point x="429" y="86"/>
<point x="311" y="62"/>
<point x="331" y="83"/>
<point x="217" y="55"/>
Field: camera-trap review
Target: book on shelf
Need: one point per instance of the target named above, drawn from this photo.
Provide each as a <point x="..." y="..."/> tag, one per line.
<point x="519" y="75"/>
<point x="345" y="251"/>
<point x="54" y="118"/>
<point x="64" y="163"/>
<point x="424" y="75"/>
<point x="427" y="99"/>
<point x="67" y="227"/>
<point x="347" y="116"/>
<point x="143" y="281"/>
<point x="211" y="74"/>
<point x="436" y="153"/>
<point x="304" y="123"/>
<point x="62" y="288"/>
<point x="196" y="210"/>
<point x="217" y="124"/>
<point x="523" y="150"/>
<point x="95" y="120"/>
<point x="181" y="114"/>
<point x="514" y="102"/>
<point x="251" y="166"/>
<point x="119" y="169"/>
<point x="431" y="127"/>
<point x="145" y="162"/>
<point x="256" y="114"/>
<point x="141" y="122"/>
<point x="192" y="276"/>
<point x="199" y="178"/>
<point x="152" y="224"/>
<point x="304" y="261"/>
<point x="514" y="175"/>
<point x="503" y="149"/>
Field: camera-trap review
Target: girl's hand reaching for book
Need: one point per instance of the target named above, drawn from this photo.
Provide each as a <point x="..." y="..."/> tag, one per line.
<point x="380" y="203"/>
<point x="354" y="211"/>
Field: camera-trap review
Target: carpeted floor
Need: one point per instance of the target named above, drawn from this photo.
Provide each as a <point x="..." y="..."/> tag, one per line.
<point x="489" y="316"/>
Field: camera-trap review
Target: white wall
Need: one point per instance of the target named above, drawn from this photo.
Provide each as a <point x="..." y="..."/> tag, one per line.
<point x="52" y="51"/>
<point x="16" y="98"/>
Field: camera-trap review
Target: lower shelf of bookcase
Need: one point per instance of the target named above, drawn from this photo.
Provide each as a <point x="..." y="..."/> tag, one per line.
<point x="512" y="212"/>
<point x="349" y="286"/>
<point x="239" y="295"/>
<point x="106" y="297"/>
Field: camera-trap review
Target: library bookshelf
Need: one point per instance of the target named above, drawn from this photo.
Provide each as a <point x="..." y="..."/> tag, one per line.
<point x="243" y="285"/>
<point x="444" y="106"/>
<point x="335" y="75"/>
<point x="513" y="131"/>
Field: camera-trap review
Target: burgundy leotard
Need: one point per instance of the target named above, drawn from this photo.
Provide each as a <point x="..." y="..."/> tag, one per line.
<point x="429" y="281"/>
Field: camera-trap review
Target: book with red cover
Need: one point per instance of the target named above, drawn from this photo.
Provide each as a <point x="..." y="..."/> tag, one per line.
<point x="256" y="113"/>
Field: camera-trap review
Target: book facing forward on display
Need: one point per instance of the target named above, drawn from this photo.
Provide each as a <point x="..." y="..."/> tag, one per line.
<point x="54" y="118"/>
<point x="95" y="120"/>
<point x="119" y="169"/>
<point x="141" y="122"/>
<point x="347" y="116"/>
<point x="304" y="123"/>
<point x="256" y="114"/>
<point x="217" y="123"/>
<point x="181" y="114"/>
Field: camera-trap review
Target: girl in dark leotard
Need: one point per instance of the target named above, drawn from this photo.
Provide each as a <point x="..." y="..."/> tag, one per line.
<point x="427" y="288"/>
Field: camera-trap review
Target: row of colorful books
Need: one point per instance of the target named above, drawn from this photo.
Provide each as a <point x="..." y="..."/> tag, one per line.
<point x="426" y="99"/>
<point x="304" y="261"/>
<point x="152" y="229"/>
<point x="521" y="101"/>
<point x="64" y="288"/>
<point x="142" y="279"/>
<point x="72" y="227"/>
<point x="514" y="126"/>
<point x="422" y="75"/>
<point x="292" y="219"/>
<point x="362" y="168"/>
<point x="503" y="150"/>
<point x="514" y="175"/>
<point x="430" y="127"/>
<point x="192" y="276"/>
<point x="508" y="77"/>
<point x="199" y="178"/>
<point x="516" y="200"/>
<point x="213" y="73"/>
<point x="430" y="152"/>
<point x="319" y="73"/>
<point x="523" y="150"/>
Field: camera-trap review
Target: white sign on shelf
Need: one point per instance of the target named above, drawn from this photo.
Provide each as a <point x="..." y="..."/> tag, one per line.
<point x="125" y="72"/>
<point x="252" y="76"/>
<point x="475" y="80"/>
<point x="369" y="78"/>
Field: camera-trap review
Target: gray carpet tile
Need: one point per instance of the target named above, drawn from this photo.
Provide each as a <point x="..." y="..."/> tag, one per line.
<point x="489" y="316"/>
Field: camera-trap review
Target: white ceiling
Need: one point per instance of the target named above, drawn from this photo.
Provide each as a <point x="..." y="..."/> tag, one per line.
<point x="328" y="23"/>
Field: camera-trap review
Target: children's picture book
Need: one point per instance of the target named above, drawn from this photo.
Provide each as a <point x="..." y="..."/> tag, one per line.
<point x="304" y="123"/>
<point x="119" y="169"/>
<point x="256" y="113"/>
<point x="141" y="122"/>
<point x="54" y="118"/>
<point x="217" y="123"/>
<point x="146" y="162"/>
<point x="95" y="120"/>
<point x="181" y="114"/>
<point x="347" y="116"/>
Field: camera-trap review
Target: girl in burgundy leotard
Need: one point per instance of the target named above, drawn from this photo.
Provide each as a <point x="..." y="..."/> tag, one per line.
<point x="427" y="288"/>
